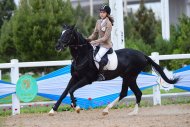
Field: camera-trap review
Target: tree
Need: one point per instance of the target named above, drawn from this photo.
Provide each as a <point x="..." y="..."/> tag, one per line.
<point x="36" y="26"/>
<point x="7" y="46"/>
<point x="6" y="9"/>
<point x="181" y="37"/>
<point x="32" y="32"/>
<point x="180" y="40"/>
<point x="141" y="29"/>
<point x="84" y="22"/>
<point x="145" y="24"/>
<point x="129" y="26"/>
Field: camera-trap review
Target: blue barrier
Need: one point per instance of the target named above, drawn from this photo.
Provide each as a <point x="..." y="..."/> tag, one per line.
<point x="96" y="94"/>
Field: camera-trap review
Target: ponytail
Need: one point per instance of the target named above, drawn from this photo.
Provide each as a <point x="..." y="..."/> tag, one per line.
<point x="111" y="19"/>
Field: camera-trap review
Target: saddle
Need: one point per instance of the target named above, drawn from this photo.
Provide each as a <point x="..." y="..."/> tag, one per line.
<point x="104" y="59"/>
<point x="109" y="59"/>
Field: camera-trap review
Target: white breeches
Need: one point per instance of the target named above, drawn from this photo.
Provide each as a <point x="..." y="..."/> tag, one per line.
<point x="102" y="51"/>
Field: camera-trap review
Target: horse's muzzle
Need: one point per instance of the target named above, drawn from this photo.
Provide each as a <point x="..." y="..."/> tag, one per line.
<point x="59" y="48"/>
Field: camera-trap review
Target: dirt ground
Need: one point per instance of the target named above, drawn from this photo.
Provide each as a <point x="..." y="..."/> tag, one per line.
<point x="157" y="116"/>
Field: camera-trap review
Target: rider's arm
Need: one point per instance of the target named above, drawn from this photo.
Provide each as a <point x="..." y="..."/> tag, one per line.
<point x="106" y="36"/>
<point x="94" y="35"/>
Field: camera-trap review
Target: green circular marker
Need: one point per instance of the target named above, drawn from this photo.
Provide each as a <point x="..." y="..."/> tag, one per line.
<point x="26" y="88"/>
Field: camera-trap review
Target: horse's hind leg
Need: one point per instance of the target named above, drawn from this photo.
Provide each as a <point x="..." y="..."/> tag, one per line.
<point x="138" y="94"/>
<point x="106" y="110"/>
<point x="123" y="94"/>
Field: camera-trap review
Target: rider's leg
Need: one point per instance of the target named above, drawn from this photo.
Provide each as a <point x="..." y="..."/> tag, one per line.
<point x="102" y="51"/>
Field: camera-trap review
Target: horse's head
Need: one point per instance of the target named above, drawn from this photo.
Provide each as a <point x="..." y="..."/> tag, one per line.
<point x="66" y="38"/>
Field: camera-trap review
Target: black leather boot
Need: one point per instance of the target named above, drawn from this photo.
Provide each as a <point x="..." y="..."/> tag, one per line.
<point x="101" y="76"/>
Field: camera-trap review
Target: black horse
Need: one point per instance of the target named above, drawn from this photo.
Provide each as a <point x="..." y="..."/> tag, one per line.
<point x="83" y="70"/>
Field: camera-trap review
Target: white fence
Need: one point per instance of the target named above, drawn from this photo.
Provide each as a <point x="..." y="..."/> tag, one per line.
<point x="14" y="65"/>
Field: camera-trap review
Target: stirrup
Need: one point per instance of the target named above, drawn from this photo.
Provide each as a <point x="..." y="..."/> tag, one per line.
<point x="101" y="77"/>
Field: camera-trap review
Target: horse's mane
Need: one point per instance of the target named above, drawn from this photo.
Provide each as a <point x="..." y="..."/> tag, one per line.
<point x="82" y="39"/>
<point x="88" y="58"/>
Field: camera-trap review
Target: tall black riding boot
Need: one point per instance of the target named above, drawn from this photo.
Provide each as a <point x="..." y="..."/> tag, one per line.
<point x="101" y="76"/>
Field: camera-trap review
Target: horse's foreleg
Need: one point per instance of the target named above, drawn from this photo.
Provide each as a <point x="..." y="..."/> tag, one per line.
<point x="84" y="81"/>
<point x="64" y="94"/>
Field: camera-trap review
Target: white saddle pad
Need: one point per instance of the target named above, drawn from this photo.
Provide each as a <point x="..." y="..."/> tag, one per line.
<point x="112" y="62"/>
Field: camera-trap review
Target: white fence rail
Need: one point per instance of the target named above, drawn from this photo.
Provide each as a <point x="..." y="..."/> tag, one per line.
<point x="14" y="65"/>
<point x="34" y="64"/>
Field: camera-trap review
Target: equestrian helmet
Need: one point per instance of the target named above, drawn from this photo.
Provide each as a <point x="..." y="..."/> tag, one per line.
<point x="105" y="8"/>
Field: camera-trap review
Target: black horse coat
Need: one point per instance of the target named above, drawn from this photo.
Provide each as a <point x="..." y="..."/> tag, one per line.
<point x="83" y="70"/>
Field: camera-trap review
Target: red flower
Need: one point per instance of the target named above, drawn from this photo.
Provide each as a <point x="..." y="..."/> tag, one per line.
<point x="89" y="98"/>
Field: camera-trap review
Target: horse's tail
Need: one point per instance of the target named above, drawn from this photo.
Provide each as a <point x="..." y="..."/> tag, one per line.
<point x="159" y="71"/>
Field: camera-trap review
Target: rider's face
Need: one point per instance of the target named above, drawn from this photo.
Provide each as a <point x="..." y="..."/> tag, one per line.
<point x="103" y="14"/>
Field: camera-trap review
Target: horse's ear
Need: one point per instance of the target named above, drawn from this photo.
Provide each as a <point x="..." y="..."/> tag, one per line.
<point x="65" y="26"/>
<point x="72" y="27"/>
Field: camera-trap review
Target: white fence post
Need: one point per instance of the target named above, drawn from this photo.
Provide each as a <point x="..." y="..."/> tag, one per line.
<point x="14" y="78"/>
<point x="91" y="8"/>
<point x="0" y="75"/>
<point x="156" y="89"/>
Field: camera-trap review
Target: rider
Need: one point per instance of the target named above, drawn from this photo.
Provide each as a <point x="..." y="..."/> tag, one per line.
<point x="103" y="31"/>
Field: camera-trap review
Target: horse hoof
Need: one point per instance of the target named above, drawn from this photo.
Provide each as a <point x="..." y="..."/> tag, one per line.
<point x="77" y="109"/>
<point x="51" y="113"/>
<point x="104" y="113"/>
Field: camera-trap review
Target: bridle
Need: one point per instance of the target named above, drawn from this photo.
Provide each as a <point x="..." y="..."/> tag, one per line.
<point x="74" y="45"/>
<point x="79" y="43"/>
<point x="68" y="42"/>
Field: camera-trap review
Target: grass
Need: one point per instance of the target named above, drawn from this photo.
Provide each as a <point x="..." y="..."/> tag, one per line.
<point x="8" y="100"/>
<point x="6" y="78"/>
<point x="35" y="109"/>
<point x="150" y="91"/>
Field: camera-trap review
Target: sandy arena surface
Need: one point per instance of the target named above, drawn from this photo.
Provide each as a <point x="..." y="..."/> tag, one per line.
<point x="156" y="116"/>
